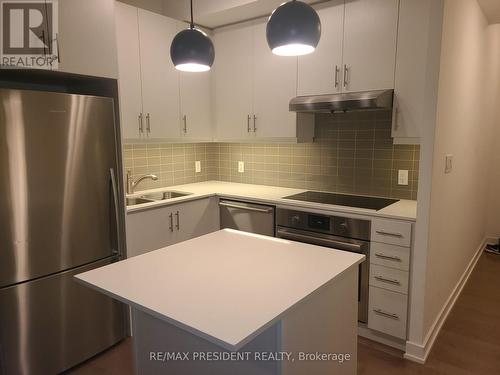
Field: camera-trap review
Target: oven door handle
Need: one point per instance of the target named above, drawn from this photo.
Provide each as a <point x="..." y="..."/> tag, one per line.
<point x="318" y="240"/>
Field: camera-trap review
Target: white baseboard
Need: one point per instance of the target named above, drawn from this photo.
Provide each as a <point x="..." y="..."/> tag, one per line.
<point x="419" y="352"/>
<point x="380" y="337"/>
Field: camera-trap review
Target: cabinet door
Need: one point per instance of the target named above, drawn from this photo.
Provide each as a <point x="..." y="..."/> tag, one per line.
<point x="149" y="230"/>
<point x="195" y="218"/>
<point x="160" y="79"/>
<point x="129" y="71"/>
<point x="233" y="82"/>
<point x="196" y="106"/>
<point x="370" y="33"/>
<point x="275" y="83"/>
<point x="87" y="37"/>
<point x="320" y="71"/>
<point x="417" y="68"/>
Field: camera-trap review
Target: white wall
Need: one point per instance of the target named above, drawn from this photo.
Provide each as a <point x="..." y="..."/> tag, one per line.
<point x="465" y="124"/>
<point x="493" y="228"/>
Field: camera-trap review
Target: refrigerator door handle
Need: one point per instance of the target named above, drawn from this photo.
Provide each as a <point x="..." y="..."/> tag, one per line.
<point x="114" y="187"/>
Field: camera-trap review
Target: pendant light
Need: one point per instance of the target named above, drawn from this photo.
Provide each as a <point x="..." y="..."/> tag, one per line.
<point x="293" y="29"/>
<point x="192" y="50"/>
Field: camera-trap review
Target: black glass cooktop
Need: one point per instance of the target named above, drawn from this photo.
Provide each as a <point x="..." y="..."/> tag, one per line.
<point x="371" y="203"/>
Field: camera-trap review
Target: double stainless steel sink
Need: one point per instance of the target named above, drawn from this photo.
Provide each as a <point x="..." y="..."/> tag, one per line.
<point x="154" y="197"/>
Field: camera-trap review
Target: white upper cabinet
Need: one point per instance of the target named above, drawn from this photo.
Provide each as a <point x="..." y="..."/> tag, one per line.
<point x="275" y="83"/>
<point x="196" y="106"/>
<point x="253" y="88"/>
<point x="196" y="102"/>
<point x="86" y="37"/>
<point x="234" y="82"/>
<point x="357" y="49"/>
<point x="370" y="37"/>
<point x="160" y="79"/>
<point x="155" y="98"/>
<point x="129" y="71"/>
<point x="417" y="68"/>
<point x="321" y="71"/>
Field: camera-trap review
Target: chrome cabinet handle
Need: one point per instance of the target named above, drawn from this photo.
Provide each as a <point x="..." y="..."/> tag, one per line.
<point x="391" y="234"/>
<point x="386" y="314"/>
<point x="388" y="257"/>
<point x="346" y="75"/>
<point x="177" y="224"/>
<point x="141" y="123"/>
<point x="337" y="71"/>
<point x="44" y="43"/>
<point x="254" y="123"/>
<point x="389" y="281"/>
<point x="184" y="118"/>
<point x="58" y="49"/>
<point x="248" y="124"/>
<point x="171" y="216"/>
<point x="148" y="123"/>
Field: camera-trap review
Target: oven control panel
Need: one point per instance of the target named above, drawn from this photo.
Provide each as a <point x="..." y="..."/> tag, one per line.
<point x="330" y="224"/>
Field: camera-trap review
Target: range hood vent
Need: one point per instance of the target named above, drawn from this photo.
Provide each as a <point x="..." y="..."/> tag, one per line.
<point x="353" y="101"/>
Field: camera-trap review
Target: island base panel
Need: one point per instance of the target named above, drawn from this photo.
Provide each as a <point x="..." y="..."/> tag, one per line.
<point x="325" y="322"/>
<point x="155" y="335"/>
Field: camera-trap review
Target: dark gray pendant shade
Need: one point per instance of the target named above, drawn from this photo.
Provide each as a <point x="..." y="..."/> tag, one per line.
<point x="293" y="29"/>
<point x="192" y="51"/>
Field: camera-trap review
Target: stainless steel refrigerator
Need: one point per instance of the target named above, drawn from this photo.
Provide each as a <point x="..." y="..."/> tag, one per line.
<point x="61" y="213"/>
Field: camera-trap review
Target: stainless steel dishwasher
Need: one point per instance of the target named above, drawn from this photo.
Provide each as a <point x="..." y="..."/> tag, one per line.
<point x="247" y="217"/>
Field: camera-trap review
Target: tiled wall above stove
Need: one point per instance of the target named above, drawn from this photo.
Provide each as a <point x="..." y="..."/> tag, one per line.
<point x="352" y="153"/>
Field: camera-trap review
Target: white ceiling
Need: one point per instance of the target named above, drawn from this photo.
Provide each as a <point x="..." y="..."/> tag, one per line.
<point x="212" y="13"/>
<point x="491" y="9"/>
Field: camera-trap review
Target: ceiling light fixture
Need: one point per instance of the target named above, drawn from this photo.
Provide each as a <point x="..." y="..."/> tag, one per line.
<point x="293" y="29"/>
<point x="192" y="50"/>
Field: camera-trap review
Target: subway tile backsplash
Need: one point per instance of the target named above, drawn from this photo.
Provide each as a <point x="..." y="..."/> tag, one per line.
<point x="352" y="153"/>
<point x="174" y="164"/>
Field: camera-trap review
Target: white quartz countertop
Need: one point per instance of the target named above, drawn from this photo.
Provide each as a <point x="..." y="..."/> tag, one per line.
<point x="403" y="210"/>
<point x="227" y="286"/>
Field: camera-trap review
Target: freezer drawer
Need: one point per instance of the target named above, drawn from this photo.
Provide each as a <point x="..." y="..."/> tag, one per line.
<point x="247" y="217"/>
<point x="53" y="323"/>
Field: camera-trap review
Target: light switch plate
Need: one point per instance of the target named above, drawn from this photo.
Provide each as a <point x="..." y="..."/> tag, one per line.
<point x="403" y="177"/>
<point x="241" y="166"/>
<point x="197" y="166"/>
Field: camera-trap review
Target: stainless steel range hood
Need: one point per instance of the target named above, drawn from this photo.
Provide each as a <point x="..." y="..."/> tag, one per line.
<point x="354" y="101"/>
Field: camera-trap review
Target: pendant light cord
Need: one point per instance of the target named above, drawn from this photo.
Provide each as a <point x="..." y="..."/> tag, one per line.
<point x="192" y="22"/>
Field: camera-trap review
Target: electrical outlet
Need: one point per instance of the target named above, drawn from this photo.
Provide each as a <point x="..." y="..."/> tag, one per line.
<point x="241" y="166"/>
<point x="448" y="163"/>
<point x="197" y="166"/>
<point x="403" y="177"/>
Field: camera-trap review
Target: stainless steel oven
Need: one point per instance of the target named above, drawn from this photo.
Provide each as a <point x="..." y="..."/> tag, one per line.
<point x="335" y="232"/>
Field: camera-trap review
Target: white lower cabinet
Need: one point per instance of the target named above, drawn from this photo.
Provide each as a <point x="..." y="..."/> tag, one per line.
<point x="154" y="228"/>
<point x="390" y="256"/>
<point x="389" y="277"/>
<point x="387" y="312"/>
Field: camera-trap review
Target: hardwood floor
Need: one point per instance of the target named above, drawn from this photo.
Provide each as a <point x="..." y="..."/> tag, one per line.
<point x="468" y="344"/>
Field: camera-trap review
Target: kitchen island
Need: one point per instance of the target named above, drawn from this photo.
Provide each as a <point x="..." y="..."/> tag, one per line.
<point x="232" y="302"/>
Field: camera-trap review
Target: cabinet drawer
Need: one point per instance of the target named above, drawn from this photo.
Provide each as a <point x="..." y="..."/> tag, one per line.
<point x="390" y="256"/>
<point x="387" y="312"/>
<point x="389" y="278"/>
<point x="391" y="232"/>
